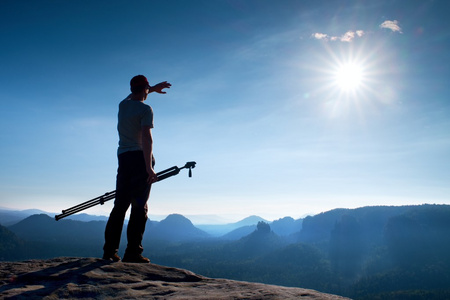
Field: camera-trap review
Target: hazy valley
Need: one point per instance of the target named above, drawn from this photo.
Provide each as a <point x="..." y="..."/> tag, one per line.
<point x="365" y="253"/>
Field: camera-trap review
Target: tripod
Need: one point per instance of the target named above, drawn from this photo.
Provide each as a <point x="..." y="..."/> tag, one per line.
<point x="111" y="195"/>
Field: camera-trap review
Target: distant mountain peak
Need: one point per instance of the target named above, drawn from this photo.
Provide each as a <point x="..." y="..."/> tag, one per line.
<point x="251" y="220"/>
<point x="177" y="219"/>
<point x="175" y="227"/>
<point x="37" y="217"/>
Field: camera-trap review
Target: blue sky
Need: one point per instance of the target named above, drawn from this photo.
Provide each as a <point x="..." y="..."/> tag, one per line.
<point x="288" y="107"/>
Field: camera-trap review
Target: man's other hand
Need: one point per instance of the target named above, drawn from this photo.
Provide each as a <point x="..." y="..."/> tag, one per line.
<point x="152" y="177"/>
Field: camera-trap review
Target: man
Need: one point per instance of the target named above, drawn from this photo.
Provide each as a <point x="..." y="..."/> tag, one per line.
<point x="135" y="174"/>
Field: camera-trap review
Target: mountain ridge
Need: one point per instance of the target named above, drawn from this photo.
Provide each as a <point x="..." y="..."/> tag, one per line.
<point x="351" y="252"/>
<point x="240" y="228"/>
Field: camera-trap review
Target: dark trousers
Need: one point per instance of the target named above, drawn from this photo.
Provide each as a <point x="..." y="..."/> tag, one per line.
<point x="131" y="189"/>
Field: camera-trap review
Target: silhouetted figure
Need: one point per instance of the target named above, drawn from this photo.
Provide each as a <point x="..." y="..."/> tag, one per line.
<point x="135" y="174"/>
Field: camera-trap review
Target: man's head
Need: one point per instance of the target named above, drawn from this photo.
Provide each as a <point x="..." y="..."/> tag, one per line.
<point x="139" y="84"/>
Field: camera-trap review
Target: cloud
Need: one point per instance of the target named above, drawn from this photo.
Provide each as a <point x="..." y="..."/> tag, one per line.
<point x="350" y="35"/>
<point x="320" y="36"/>
<point x="392" y="25"/>
<point x="346" y="37"/>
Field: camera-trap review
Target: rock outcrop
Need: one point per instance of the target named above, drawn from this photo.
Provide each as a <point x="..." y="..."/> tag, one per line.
<point x="92" y="278"/>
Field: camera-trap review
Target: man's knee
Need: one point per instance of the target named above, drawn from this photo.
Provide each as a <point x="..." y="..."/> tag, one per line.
<point x="120" y="209"/>
<point x="139" y="209"/>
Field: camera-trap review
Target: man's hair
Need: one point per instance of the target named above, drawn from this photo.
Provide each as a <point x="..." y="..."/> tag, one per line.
<point x="138" y="84"/>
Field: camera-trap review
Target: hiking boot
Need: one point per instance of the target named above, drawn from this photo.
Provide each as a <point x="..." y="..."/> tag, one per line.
<point x="112" y="257"/>
<point x="136" y="258"/>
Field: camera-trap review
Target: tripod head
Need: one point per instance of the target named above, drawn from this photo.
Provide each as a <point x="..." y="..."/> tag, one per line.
<point x="189" y="165"/>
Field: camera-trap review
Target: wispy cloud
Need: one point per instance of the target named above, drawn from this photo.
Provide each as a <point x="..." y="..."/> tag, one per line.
<point x="392" y="25"/>
<point x="359" y="33"/>
<point x="320" y="36"/>
<point x="346" y="37"/>
<point x="350" y="35"/>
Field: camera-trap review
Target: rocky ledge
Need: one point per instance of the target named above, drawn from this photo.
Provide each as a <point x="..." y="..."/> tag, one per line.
<point x="92" y="278"/>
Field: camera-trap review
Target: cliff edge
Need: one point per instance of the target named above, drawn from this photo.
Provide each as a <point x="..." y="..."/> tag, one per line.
<point x="75" y="278"/>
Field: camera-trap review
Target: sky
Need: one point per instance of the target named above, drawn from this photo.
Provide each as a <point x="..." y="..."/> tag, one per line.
<point x="289" y="108"/>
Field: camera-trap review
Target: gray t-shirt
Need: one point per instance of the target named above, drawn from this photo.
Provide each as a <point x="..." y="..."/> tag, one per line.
<point x="132" y="116"/>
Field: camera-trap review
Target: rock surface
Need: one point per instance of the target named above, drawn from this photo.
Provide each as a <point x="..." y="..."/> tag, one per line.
<point x="92" y="278"/>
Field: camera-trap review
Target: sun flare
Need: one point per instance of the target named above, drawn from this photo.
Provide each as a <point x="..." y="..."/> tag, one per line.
<point x="350" y="81"/>
<point x="349" y="76"/>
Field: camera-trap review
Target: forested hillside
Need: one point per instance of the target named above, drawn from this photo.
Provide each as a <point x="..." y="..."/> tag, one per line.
<point x="364" y="253"/>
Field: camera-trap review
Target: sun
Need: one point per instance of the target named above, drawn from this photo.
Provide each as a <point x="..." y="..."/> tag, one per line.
<point x="349" y="76"/>
<point x="349" y="80"/>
